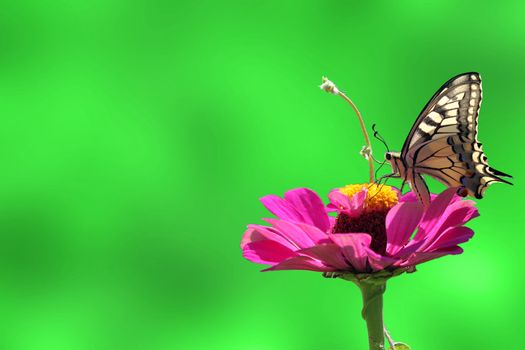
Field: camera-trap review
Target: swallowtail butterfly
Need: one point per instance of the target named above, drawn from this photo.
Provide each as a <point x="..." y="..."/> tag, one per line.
<point x="443" y="143"/>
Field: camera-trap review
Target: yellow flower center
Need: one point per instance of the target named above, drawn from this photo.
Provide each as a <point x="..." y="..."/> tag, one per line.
<point x="379" y="197"/>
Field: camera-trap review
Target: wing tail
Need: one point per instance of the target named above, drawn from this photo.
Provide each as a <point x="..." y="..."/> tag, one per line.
<point x="500" y="173"/>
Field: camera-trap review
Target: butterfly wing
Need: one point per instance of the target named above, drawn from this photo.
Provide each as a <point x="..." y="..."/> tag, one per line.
<point x="453" y="108"/>
<point x="443" y="142"/>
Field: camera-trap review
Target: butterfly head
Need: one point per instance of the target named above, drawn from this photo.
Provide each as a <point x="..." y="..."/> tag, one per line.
<point x="394" y="158"/>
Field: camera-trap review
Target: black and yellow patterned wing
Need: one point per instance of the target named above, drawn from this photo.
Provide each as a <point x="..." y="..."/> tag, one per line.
<point x="443" y="142"/>
<point x="453" y="109"/>
<point x="457" y="163"/>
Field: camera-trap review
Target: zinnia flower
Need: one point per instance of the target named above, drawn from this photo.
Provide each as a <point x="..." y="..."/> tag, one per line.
<point x="376" y="228"/>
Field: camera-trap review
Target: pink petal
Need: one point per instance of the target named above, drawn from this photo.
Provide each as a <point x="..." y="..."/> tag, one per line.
<point x="451" y="237"/>
<point x="301" y="263"/>
<point x="329" y="254"/>
<point x="293" y="232"/>
<point x="409" y="249"/>
<point x="401" y="221"/>
<point x="351" y="206"/>
<point x="358" y="200"/>
<point x="310" y="206"/>
<point x="330" y="208"/>
<point x="250" y="235"/>
<point x="332" y="222"/>
<point x="256" y="233"/>
<point x="281" y="208"/>
<point x="378" y="262"/>
<point x="338" y="200"/>
<point x="267" y="252"/>
<point x="457" y="214"/>
<point x="353" y="246"/>
<point x="316" y="235"/>
<point x="422" y="257"/>
<point x="435" y="212"/>
<point x="411" y="197"/>
<point x="408" y="197"/>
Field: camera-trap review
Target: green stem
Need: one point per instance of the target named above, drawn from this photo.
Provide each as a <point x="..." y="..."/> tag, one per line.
<point x="372" y="292"/>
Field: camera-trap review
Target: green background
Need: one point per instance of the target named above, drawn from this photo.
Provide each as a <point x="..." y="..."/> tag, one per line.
<point x="137" y="136"/>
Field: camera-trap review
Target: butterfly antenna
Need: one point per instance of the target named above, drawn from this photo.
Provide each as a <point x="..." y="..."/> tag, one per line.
<point x="379" y="168"/>
<point x="378" y="182"/>
<point x="375" y="160"/>
<point x="379" y="137"/>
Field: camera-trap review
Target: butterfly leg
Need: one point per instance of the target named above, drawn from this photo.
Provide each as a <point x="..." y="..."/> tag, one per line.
<point x="421" y="190"/>
<point x="378" y="182"/>
<point x="403" y="186"/>
<point x="387" y="176"/>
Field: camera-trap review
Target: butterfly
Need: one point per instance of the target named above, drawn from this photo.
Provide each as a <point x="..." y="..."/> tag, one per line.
<point x="443" y="143"/>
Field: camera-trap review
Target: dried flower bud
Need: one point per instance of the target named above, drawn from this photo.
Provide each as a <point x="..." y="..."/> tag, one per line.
<point x="328" y="86"/>
<point x="366" y="152"/>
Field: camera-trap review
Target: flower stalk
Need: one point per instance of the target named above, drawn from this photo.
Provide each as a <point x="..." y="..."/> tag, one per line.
<point x="330" y="87"/>
<point x="372" y="293"/>
<point x="372" y="288"/>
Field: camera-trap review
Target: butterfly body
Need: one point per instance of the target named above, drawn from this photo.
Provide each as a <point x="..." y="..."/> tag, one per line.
<point x="443" y="143"/>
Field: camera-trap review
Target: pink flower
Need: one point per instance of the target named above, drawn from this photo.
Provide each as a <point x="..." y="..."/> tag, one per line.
<point x="374" y="230"/>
